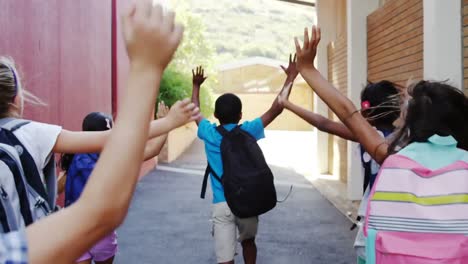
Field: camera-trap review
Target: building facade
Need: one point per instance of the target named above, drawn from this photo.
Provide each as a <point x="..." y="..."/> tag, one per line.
<point x="396" y="40"/>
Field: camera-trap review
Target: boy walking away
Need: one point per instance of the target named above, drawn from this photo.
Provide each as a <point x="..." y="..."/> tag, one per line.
<point x="236" y="163"/>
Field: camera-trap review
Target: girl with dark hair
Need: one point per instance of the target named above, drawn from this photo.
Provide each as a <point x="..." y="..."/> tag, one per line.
<point x="433" y="138"/>
<point x="380" y="106"/>
<point x="78" y="168"/>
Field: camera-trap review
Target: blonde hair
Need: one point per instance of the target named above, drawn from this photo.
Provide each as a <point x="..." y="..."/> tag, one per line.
<point x="11" y="87"/>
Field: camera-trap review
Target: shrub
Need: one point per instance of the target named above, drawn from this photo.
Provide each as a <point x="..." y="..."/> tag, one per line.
<point x="176" y="85"/>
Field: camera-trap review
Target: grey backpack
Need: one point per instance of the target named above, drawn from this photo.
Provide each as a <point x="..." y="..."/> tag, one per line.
<point x="24" y="198"/>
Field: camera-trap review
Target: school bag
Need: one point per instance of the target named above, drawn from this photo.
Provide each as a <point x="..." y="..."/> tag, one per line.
<point x="77" y="176"/>
<point x="247" y="180"/>
<point x="417" y="215"/>
<point x="24" y="198"/>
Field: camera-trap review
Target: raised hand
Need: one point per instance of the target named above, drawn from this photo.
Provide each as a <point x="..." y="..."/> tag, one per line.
<point x="198" y="76"/>
<point x="183" y="112"/>
<point x="145" y="27"/>
<point x="306" y="55"/>
<point x="163" y="110"/>
<point x="291" y="71"/>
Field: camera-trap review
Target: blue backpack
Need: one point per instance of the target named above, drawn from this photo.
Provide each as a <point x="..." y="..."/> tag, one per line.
<point x="24" y="198"/>
<point x="77" y="175"/>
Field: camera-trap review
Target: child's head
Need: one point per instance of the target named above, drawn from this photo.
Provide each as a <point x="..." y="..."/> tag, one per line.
<point x="11" y="102"/>
<point x="12" y="93"/>
<point x="228" y="109"/>
<point x="97" y="121"/>
<point x="380" y="103"/>
<point x="434" y="108"/>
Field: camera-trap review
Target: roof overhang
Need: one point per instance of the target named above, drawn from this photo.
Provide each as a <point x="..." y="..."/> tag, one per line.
<point x="310" y="3"/>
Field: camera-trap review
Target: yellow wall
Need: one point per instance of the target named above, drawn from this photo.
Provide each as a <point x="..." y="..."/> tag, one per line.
<point x="251" y="78"/>
<point x="257" y="82"/>
<point x="254" y="105"/>
<point x="178" y="141"/>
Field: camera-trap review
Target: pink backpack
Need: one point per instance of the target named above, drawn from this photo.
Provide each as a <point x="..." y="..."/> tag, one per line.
<point x="417" y="215"/>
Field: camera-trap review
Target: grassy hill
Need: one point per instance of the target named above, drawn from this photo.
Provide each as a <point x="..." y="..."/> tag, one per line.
<point x="246" y="28"/>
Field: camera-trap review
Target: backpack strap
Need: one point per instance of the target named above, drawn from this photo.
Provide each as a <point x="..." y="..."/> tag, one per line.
<point x="32" y="177"/>
<point x="14" y="165"/>
<point x="222" y="130"/>
<point x="12" y="124"/>
<point x="205" y="180"/>
<point x="50" y="175"/>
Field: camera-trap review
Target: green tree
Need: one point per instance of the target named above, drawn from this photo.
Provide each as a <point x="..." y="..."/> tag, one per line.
<point x="194" y="50"/>
<point x="177" y="85"/>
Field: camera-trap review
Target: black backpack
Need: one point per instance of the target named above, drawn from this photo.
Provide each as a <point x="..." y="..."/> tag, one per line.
<point x="24" y="198"/>
<point x="247" y="180"/>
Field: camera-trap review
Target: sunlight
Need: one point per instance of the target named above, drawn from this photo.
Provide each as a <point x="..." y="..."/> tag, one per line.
<point x="290" y="149"/>
<point x="164" y="3"/>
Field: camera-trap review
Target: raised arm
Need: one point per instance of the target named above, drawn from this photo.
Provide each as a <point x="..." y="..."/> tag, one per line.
<point x="198" y="78"/>
<point x="276" y="108"/>
<point x="154" y="146"/>
<point x="373" y="143"/>
<point x="93" y="142"/>
<point x="320" y="122"/>
<point x="63" y="236"/>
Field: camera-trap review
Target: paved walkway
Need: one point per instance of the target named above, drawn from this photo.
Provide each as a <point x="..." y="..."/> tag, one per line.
<point x="168" y="222"/>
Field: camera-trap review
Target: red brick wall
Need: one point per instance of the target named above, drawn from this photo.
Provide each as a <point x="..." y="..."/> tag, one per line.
<point x="62" y="49"/>
<point x="465" y="43"/>
<point x="395" y="41"/>
<point x="338" y="76"/>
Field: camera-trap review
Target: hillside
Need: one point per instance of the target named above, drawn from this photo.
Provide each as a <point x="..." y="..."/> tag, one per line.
<point x="246" y="28"/>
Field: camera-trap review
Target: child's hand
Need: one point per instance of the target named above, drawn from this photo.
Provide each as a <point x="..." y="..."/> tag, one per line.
<point x="283" y="97"/>
<point x="163" y="110"/>
<point x="198" y="76"/>
<point x="183" y="112"/>
<point x="306" y="54"/>
<point x="292" y="70"/>
<point x="151" y="37"/>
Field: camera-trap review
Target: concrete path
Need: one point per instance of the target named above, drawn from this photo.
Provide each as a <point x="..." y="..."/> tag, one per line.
<point x="168" y="222"/>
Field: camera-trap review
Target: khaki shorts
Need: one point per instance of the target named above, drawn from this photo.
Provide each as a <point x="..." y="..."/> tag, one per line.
<point x="225" y="226"/>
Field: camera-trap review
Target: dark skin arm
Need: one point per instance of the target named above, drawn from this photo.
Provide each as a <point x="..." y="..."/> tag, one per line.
<point x="198" y="78"/>
<point x="276" y="108"/>
<point x="372" y="142"/>
<point x="320" y="122"/>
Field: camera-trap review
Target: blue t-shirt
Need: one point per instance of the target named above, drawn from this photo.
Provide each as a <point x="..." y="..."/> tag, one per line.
<point x="208" y="133"/>
<point x="78" y="174"/>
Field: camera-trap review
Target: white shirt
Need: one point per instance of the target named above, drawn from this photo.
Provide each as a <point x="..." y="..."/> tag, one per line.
<point x="39" y="139"/>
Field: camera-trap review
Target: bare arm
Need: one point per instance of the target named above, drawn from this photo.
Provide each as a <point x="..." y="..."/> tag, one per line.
<point x="109" y="195"/>
<point x="93" y="142"/>
<point x="154" y="146"/>
<point x="373" y="143"/>
<point x="198" y="76"/>
<point x="320" y="122"/>
<point x="276" y="108"/>
<point x="105" y="199"/>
